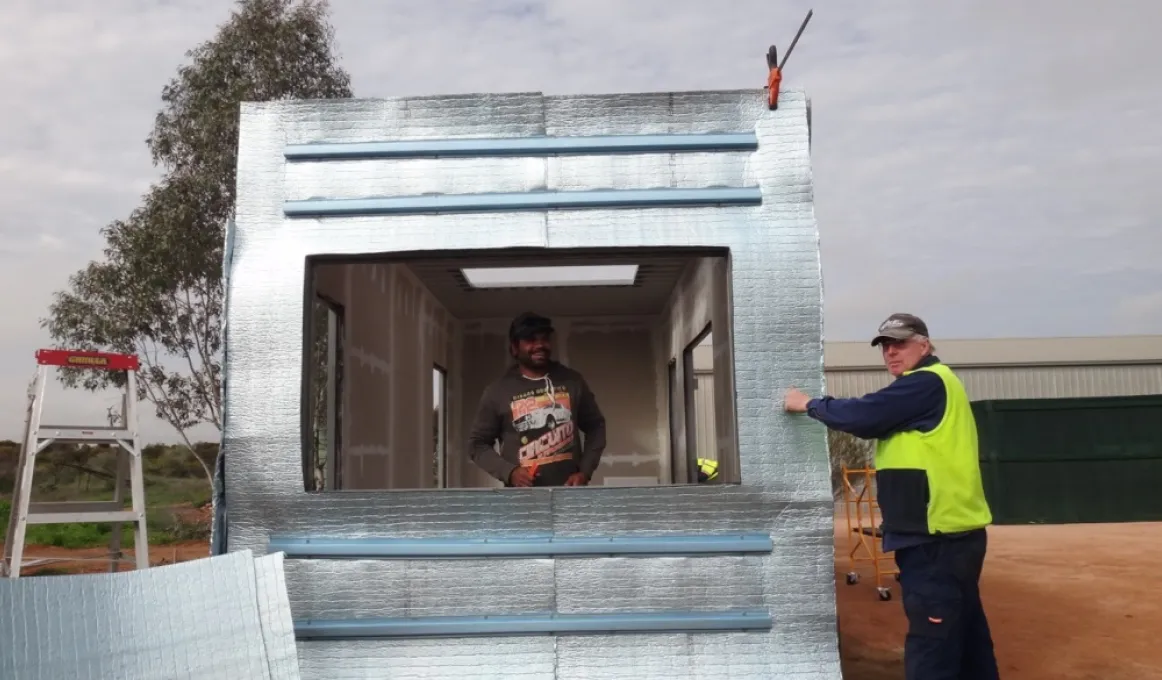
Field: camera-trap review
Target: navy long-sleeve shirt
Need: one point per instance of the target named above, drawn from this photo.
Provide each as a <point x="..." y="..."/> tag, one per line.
<point x="910" y="402"/>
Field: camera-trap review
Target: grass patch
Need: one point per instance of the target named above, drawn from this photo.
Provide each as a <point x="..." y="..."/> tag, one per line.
<point x="159" y="492"/>
<point x="163" y="525"/>
<point x="175" y="485"/>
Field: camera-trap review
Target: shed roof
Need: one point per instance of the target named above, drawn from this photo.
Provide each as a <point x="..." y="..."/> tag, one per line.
<point x="1062" y="351"/>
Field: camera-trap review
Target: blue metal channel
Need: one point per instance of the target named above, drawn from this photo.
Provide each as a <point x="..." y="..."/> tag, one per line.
<point x="522" y="146"/>
<point x="305" y="547"/>
<point x="532" y="624"/>
<point x="536" y="200"/>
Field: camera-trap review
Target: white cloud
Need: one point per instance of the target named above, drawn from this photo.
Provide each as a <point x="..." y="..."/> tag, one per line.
<point x="990" y="165"/>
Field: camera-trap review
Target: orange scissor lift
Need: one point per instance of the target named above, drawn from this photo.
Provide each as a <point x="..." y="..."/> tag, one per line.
<point x="864" y="537"/>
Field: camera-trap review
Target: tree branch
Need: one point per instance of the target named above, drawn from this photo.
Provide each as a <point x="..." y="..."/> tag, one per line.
<point x="166" y="412"/>
<point x="196" y="374"/>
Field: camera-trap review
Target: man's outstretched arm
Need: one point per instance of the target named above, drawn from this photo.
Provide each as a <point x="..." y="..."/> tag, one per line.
<point x="914" y="401"/>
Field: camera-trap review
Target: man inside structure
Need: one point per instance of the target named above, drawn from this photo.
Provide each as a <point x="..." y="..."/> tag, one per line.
<point x="931" y="497"/>
<point x="537" y="410"/>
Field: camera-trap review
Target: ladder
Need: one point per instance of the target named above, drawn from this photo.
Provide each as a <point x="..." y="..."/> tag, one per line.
<point x="38" y="437"/>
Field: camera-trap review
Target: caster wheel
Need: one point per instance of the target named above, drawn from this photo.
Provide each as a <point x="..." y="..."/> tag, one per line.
<point x="885" y="594"/>
<point x="852" y="578"/>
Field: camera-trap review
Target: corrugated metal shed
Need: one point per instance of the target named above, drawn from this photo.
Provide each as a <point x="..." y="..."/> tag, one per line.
<point x="1065" y="423"/>
<point x="1072" y="460"/>
<point x="1018" y="368"/>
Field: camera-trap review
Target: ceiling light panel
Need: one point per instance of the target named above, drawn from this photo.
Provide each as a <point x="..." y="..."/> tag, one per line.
<point x="540" y="277"/>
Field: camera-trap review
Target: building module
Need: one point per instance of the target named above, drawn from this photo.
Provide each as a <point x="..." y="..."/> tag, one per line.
<point x="378" y="252"/>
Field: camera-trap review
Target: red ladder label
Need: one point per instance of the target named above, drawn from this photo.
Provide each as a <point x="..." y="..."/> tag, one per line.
<point x="81" y="359"/>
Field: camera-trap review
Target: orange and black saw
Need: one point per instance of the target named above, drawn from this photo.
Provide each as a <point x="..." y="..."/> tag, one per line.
<point x="775" y="67"/>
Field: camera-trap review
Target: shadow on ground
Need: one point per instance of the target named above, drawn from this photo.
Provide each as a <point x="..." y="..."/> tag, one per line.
<point x="861" y="662"/>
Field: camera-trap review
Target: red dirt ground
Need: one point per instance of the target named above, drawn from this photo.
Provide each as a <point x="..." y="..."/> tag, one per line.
<point x="1073" y="602"/>
<point x="91" y="560"/>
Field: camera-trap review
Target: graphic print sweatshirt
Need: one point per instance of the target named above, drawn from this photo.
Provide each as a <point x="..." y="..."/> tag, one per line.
<point x="538" y="421"/>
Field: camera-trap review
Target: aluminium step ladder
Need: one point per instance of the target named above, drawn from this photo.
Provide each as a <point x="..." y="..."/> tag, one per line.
<point x="38" y="437"/>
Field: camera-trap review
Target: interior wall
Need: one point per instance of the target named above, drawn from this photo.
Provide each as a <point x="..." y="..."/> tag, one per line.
<point x="395" y="333"/>
<point x="701" y="297"/>
<point x="484" y="357"/>
<point x="617" y="357"/>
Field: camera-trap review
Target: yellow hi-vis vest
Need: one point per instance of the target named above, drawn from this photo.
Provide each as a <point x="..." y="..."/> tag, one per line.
<point x="930" y="482"/>
<point x="708" y="468"/>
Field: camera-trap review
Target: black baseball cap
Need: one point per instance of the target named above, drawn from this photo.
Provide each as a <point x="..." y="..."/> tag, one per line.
<point x="900" y="327"/>
<point x="527" y="325"/>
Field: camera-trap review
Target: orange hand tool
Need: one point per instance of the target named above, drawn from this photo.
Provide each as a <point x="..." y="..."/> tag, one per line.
<point x="775" y="75"/>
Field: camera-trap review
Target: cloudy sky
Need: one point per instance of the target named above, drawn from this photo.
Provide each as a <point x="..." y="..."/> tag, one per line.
<point x="992" y="166"/>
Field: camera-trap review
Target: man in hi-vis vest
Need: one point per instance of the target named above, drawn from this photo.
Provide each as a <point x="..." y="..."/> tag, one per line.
<point x="930" y="496"/>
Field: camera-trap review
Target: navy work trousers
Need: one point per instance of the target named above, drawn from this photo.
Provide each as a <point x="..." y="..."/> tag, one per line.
<point x="948" y="634"/>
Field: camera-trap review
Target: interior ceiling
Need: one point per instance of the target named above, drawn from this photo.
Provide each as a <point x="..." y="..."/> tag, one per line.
<point x="656" y="277"/>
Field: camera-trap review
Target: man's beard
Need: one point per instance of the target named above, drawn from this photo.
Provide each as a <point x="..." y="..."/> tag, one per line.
<point x="528" y="361"/>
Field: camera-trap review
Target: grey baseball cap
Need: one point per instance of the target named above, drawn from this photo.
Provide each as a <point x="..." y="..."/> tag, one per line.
<point x="900" y="327"/>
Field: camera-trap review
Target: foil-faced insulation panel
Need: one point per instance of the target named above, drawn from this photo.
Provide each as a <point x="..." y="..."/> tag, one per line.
<point x="225" y="617"/>
<point x="775" y="284"/>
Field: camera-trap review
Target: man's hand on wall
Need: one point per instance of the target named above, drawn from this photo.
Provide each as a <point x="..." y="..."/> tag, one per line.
<point x="795" y="401"/>
<point x="577" y="479"/>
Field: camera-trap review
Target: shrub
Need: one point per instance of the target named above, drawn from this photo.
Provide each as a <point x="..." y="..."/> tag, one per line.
<point x="71" y="536"/>
<point x="845" y="449"/>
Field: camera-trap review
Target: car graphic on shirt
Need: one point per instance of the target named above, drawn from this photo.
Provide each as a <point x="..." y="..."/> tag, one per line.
<point x="547" y="417"/>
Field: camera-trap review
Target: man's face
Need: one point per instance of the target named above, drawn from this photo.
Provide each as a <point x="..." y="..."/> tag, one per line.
<point x="903" y="355"/>
<point x="534" y="351"/>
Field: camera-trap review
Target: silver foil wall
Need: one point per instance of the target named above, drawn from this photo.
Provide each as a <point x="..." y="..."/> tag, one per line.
<point x="776" y="287"/>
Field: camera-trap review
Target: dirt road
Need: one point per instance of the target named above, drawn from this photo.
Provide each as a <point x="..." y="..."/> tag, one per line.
<point x="1076" y="602"/>
<point x="91" y="560"/>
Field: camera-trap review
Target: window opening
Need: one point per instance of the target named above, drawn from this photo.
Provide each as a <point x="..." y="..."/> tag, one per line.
<point x="425" y="345"/>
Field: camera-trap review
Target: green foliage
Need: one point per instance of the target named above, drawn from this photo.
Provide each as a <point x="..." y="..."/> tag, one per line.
<point x="171" y="463"/>
<point x="323" y="345"/>
<point x="269" y="50"/>
<point x="174" y="485"/>
<point x="163" y="527"/>
<point x="60" y="535"/>
<point x="158" y="293"/>
<point x="74" y="536"/>
<point x="9" y="457"/>
<point x="86" y="472"/>
<point x="161" y="530"/>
